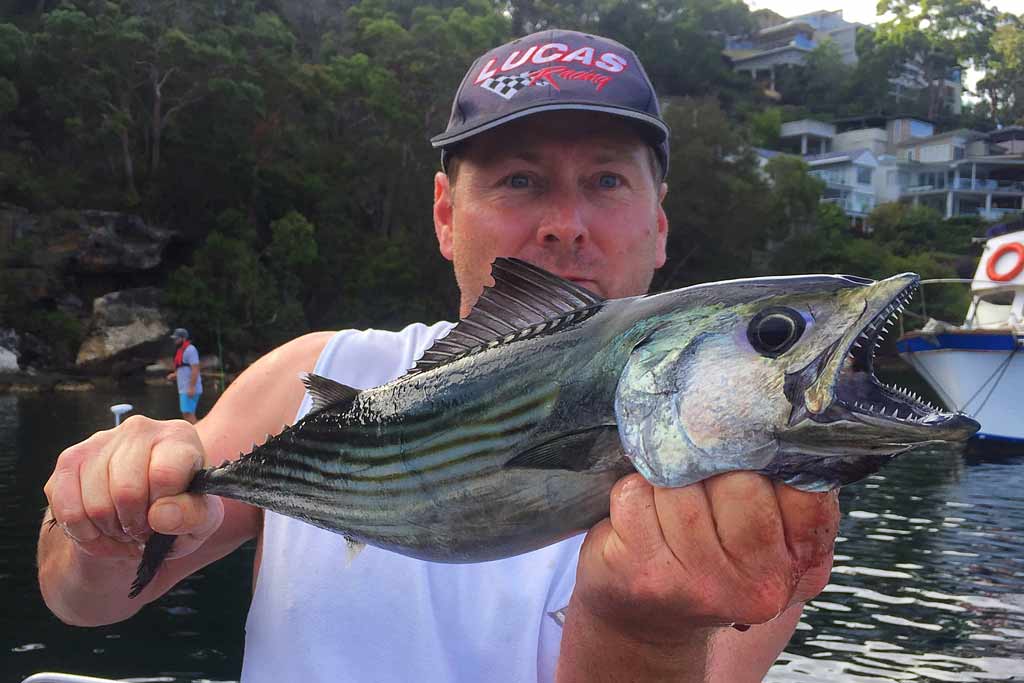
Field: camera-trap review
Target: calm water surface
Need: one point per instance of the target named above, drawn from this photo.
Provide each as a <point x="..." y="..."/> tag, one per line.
<point x="928" y="585"/>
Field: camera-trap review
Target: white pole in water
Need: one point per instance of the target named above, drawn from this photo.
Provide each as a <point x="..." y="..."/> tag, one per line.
<point x="118" y="410"/>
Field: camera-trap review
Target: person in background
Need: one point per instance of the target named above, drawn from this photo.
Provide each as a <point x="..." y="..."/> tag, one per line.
<point x="186" y="371"/>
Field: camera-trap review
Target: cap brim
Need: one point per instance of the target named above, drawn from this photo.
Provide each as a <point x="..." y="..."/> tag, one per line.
<point x="447" y="139"/>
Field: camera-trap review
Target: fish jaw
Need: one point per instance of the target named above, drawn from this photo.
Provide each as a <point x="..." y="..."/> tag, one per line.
<point x="845" y="410"/>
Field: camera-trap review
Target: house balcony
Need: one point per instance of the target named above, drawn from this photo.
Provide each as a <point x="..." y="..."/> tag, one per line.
<point x="988" y="185"/>
<point x="852" y="206"/>
<point x="997" y="214"/>
<point x="983" y="186"/>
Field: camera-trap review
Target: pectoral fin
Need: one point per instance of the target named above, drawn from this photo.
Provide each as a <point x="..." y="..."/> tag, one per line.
<point x="589" y="450"/>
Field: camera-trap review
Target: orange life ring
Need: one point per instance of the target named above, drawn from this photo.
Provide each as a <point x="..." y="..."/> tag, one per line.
<point x="990" y="269"/>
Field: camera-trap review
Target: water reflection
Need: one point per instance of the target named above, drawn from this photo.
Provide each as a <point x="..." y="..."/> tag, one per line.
<point x="193" y="633"/>
<point x="928" y="583"/>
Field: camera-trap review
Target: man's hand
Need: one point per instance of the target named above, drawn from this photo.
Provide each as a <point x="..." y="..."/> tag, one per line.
<point x="101" y="489"/>
<point x="671" y="567"/>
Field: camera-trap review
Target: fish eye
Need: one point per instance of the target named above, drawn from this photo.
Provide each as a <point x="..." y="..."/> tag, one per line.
<point x="773" y="331"/>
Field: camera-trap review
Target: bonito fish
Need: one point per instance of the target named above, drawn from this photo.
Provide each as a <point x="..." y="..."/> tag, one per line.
<point x="508" y="434"/>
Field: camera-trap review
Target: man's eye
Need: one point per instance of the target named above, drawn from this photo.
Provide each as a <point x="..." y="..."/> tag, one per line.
<point x="518" y="181"/>
<point x="609" y="180"/>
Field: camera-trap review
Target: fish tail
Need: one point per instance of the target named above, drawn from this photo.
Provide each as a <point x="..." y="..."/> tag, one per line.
<point x="153" y="556"/>
<point x="159" y="545"/>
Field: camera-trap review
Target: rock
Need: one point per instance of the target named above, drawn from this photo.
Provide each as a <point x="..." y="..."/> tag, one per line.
<point x="88" y="242"/>
<point x="127" y="329"/>
<point x="73" y="385"/>
<point x="118" y="242"/>
<point x="37" y="351"/>
<point x="9" y="353"/>
<point x="70" y="304"/>
<point x="31" y="283"/>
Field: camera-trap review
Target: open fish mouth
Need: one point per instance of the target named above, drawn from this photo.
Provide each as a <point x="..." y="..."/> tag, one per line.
<point x="861" y="395"/>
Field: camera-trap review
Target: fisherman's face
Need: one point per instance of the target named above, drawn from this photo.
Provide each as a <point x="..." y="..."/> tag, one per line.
<point x="571" y="192"/>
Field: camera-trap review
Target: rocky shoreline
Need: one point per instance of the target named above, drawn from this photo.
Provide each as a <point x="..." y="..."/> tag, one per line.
<point x="41" y="382"/>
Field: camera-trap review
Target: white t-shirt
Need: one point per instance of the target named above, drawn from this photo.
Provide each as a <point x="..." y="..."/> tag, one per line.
<point x="391" y="618"/>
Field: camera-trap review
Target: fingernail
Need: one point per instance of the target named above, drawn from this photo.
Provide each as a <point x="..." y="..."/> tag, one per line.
<point x="137" y="529"/>
<point x="167" y="516"/>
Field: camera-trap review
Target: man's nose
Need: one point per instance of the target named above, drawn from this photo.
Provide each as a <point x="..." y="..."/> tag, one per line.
<point x="563" y="224"/>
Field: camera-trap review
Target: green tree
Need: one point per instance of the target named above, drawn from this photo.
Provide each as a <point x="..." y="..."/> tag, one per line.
<point x="794" y="198"/>
<point x="940" y="35"/>
<point x="717" y="197"/>
<point x="820" y="84"/>
<point x="1003" y="82"/>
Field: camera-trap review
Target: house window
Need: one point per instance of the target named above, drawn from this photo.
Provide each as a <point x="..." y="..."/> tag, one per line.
<point x="863" y="175"/>
<point x="958" y="152"/>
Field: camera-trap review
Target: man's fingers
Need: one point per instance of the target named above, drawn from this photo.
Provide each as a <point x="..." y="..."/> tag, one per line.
<point x="128" y="483"/>
<point x="746" y="514"/>
<point x="96" y="500"/>
<point x="187" y="514"/>
<point x="176" y="456"/>
<point x="634" y="516"/>
<point x="810" y="520"/>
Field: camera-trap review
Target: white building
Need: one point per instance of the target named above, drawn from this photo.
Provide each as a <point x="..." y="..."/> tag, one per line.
<point x="866" y="161"/>
<point x="788" y="42"/>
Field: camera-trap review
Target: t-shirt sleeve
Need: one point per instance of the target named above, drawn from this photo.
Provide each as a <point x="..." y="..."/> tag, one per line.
<point x="191" y="356"/>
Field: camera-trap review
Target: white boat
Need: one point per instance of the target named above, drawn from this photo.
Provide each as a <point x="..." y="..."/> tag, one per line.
<point x="978" y="367"/>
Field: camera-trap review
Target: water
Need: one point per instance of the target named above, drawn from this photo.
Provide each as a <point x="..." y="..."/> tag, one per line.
<point x="928" y="586"/>
<point x="194" y="632"/>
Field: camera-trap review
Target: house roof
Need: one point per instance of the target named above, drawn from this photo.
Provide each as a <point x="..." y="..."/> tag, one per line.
<point x="746" y="55"/>
<point x="768" y="153"/>
<point x="965" y="132"/>
<point x="850" y="155"/>
<point x="1006" y="133"/>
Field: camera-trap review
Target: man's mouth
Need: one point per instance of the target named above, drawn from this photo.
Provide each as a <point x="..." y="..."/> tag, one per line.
<point x="586" y="283"/>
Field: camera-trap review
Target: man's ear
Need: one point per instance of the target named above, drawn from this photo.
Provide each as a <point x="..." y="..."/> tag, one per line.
<point x="662" y="236"/>
<point x="443" y="214"/>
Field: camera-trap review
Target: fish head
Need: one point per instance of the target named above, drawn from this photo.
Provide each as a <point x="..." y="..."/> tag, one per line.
<point x="734" y="375"/>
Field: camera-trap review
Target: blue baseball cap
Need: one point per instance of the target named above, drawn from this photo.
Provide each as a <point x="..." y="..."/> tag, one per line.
<point x="555" y="70"/>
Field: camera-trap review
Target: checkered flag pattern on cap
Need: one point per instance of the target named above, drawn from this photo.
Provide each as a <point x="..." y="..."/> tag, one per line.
<point x="507" y="86"/>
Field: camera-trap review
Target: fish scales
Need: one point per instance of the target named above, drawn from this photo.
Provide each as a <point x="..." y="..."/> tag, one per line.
<point x="510" y="431"/>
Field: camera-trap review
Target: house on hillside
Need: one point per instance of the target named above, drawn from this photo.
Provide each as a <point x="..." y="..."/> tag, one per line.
<point x="780" y="42"/>
<point x="866" y="161"/>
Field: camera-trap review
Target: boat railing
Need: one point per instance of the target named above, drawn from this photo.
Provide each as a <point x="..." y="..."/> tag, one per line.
<point x="54" y="677"/>
<point x="924" y="316"/>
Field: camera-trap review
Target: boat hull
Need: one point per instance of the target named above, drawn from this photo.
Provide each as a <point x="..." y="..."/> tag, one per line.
<point x="980" y="373"/>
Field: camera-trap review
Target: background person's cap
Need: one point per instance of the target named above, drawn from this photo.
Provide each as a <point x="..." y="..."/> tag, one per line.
<point x="179" y="333"/>
<point x="554" y="70"/>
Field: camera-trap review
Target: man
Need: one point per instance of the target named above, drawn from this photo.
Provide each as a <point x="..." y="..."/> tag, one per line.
<point x="186" y="372"/>
<point x="555" y="153"/>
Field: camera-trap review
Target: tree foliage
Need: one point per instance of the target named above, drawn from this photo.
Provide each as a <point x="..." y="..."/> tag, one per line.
<point x="286" y="141"/>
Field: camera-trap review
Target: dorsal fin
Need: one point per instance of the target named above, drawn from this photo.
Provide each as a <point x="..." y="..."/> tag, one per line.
<point x="524" y="302"/>
<point x="326" y="392"/>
